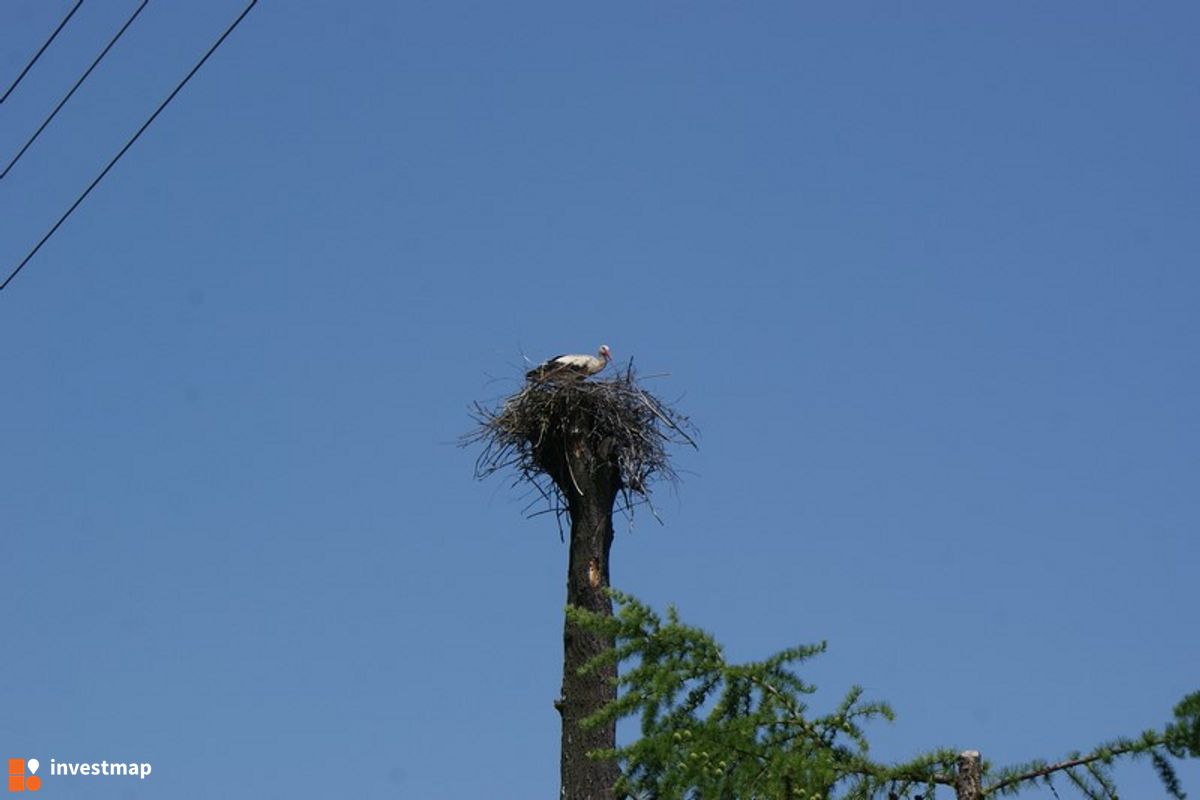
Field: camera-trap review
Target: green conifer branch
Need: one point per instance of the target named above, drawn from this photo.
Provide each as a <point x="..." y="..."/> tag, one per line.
<point x="712" y="729"/>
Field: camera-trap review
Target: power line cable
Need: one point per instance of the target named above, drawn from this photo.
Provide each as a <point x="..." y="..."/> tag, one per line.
<point x="78" y="83"/>
<point x="38" y="54"/>
<point x="128" y="144"/>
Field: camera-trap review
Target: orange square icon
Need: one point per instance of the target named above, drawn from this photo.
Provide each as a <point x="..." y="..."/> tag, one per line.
<point x="16" y="766"/>
<point x="16" y="783"/>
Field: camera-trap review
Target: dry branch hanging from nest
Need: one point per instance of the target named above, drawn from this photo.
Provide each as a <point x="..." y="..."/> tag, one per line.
<point x="626" y="425"/>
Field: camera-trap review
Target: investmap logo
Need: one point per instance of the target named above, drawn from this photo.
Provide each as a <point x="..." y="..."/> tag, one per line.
<point x="23" y="772"/>
<point x="18" y="781"/>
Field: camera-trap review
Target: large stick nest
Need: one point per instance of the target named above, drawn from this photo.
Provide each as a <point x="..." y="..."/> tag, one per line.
<point x="626" y="428"/>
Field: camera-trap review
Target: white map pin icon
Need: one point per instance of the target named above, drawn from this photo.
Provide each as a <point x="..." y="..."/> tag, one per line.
<point x="33" y="765"/>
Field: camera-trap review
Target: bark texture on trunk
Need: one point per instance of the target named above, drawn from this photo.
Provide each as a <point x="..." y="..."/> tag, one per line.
<point x="591" y="488"/>
<point x="968" y="782"/>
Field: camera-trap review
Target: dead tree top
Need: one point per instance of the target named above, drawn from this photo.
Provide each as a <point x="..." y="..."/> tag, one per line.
<point x="628" y="427"/>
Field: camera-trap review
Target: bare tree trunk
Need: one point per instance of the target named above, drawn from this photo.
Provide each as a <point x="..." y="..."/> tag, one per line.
<point x="968" y="781"/>
<point x="594" y="440"/>
<point x="591" y="488"/>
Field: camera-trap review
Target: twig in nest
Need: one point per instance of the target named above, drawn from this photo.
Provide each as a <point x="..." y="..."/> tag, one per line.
<point x="617" y="417"/>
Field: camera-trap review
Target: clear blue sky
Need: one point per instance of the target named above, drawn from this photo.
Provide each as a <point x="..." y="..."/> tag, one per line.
<point x="925" y="276"/>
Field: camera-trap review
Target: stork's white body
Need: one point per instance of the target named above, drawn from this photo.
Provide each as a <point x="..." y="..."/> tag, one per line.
<point x="570" y="367"/>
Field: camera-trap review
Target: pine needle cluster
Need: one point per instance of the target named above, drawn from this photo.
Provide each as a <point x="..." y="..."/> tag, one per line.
<point x="1091" y="773"/>
<point x="713" y="729"/>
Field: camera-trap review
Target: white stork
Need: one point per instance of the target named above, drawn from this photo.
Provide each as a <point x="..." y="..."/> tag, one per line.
<point x="570" y="367"/>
